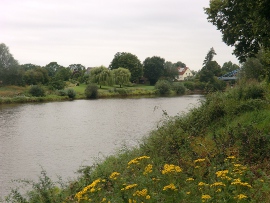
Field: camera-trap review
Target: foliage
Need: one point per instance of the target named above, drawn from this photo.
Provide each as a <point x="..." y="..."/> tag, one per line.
<point x="130" y="62"/>
<point x="229" y="67"/>
<point x="52" y="68"/>
<point x="101" y="75"/>
<point x="37" y="91"/>
<point x="244" y="24"/>
<point x="71" y="93"/>
<point x="189" y="85"/>
<point x="179" y="88"/>
<point x="163" y="86"/>
<point x="91" y="91"/>
<point x="171" y="70"/>
<point x="56" y="84"/>
<point x="153" y="68"/>
<point x="36" y="76"/>
<point x="121" y="76"/>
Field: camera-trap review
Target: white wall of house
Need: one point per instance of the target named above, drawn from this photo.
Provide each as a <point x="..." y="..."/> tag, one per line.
<point x="186" y="74"/>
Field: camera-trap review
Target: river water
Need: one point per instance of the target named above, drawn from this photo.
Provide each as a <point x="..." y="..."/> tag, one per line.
<point x="62" y="136"/>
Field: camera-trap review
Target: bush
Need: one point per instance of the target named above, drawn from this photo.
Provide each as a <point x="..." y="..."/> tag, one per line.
<point x="71" y="93"/>
<point x="178" y="88"/>
<point x="91" y="91"/>
<point x="163" y="86"/>
<point x="62" y="93"/>
<point x="37" y="91"/>
<point x="189" y="85"/>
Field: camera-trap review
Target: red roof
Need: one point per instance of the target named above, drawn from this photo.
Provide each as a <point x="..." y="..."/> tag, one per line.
<point x="182" y="70"/>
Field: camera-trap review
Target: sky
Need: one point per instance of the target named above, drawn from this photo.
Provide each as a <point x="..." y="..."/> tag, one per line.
<point x="91" y="32"/>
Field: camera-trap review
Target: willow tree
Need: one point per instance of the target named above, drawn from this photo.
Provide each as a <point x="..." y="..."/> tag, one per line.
<point x="101" y="75"/>
<point x="121" y="76"/>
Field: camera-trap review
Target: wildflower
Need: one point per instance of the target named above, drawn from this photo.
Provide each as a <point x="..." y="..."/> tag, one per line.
<point x="129" y="186"/>
<point x="114" y="175"/>
<point x="205" y="197"/>
<point x="148" y="169"/>
<point x="202" y="184"/>
<point x="231" y="157"/>
<point x="169" y="168"/>
<point x="136" y="160"/>
<point x="238" y="182"/>
<point x="155" y="179"/>
<point x="188" y="193"/>
<point x="241" y="196"/>
<point x="222" y="173"/>
<point x="91" y="187"/>
<point x="217" y="184"/>
<point x="199" y="160"/>
<point x="147" y="197"/>
<point x="170" y="187"/>
<point x="218" y="190"/>
<point x="190" y="179"/>
<point x="140" y="193"/>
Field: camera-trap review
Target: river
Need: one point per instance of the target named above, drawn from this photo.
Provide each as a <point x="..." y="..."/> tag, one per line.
<point x="62" y="136"/>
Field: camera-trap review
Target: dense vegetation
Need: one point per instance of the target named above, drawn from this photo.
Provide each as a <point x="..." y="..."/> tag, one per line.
<point x="218" y="152"/>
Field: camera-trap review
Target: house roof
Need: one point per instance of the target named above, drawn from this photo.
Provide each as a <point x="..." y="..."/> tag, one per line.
<point x="182" y="70"/>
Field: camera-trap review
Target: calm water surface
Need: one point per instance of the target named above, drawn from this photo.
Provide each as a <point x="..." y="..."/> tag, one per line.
<point x="62" y="136"/>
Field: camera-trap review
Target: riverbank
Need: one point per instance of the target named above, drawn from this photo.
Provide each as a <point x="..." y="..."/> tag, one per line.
<point x="16" y="94"/>
<point x="218" y="152"/>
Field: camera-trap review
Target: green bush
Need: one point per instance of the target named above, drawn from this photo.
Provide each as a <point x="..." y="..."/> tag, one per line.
<point x="163" y="87"/>
<point x="189" y="85"/>
<point x="91" y="91"/>
<point x="62" y="93"/>
<point x="123" y="91"/>
<point x="178" y="88"/>
<point x="37" y="91"/>
<point x="71" y="93"/>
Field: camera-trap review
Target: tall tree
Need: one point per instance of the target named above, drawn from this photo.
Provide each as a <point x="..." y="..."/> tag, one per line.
<point x="121" y="76"/>
<point x="130" y="62"/>
<point x="171" y="70"/>
<point x="244" y="24"/>
<point x="10" y="74"/>
<point x="153" y="68"/>
<point x="228" y="67"/>
<point x="101" y="75"/>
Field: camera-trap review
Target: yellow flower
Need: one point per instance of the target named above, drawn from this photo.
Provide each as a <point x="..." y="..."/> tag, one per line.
<point x="241" y="196"/>
<point x="218" y="190"/>
<point x="169" y="168"/>
<point x="114" y="175"/>
<point x="190" y="179"/>
<point x="136" y="160"/>
<point x="129" y="186"/>
<point x="187" y="193"/>
<point x="148" y="169"/>
<point x="147" y="197"/>
<point x="141" y="193"/>
<point x="199" y="160"/>
<point x="170" y="187"/>
<point x="217" y="184"/>
<point x="222" y="173"/>
<point x="205" y="197"/>
<point x="231" y="157"/>
<point x="202" y="184"/>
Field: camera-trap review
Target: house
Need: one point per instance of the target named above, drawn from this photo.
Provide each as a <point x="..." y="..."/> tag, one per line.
<point x="184" y="73"/>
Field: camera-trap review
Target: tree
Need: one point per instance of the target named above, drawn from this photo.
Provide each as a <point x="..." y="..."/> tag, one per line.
<point x="121" y="76"/>
<point x="130" y="62"/>
<point x="52" y="68"/>
<point x="10" y="73"/>
<point x="171" y="70"/>
<point x="101" y="75"/>
<point x="244" y="24"/>
<point x="36" y="76"/>
<point x="229" y="67"/>
<point x="210" y="68"/>
<point x="153" y="68"/>
<point x="77" y="71"/>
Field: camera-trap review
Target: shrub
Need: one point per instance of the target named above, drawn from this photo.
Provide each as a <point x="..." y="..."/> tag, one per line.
<point x="37" y="91"/>
<point x="163" y="86"/>
<point x="62" y="93"/>
<point x="189" y="85"/>
<point x="71" y="93"/>
<point x="179" y="88"/>
<point x="123" y="91"/>
<point x="91" y="91"/>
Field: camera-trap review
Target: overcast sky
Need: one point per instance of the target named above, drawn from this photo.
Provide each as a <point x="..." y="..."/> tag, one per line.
<point x="91" y="32"/>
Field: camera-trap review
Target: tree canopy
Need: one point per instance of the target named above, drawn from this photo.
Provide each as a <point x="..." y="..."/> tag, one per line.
<point x="121" y="76"/>
<point x="130" y="62"/>
<point x="101" y="75"/>
<point x="244" y="24"/>
<point x="153" y="68"/>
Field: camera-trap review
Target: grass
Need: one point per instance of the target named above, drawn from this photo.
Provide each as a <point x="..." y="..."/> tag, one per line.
<point x="218" y="152"/>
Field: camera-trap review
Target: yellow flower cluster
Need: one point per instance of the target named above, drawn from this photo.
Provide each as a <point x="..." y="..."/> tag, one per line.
<point x="169" y="168"/>
<point x="136" y="160"/>
<point x="142" y="193"/>
<point x="148" y="169"/>
<point x="222" y="174"/>
<point x="114" y="175"/>
<point x="189" y="179"/>
<point x="129" y="186"/>
<point x="199" y="160"/>
<point x="238" y="182"/>
<point x="241" y="196"/>
<point x="170" y="187"/>
<point x="202" y="184"/>
<point x="216" y="184"/>
<point x="205" y="197"/>
<point x="90" y="187"/>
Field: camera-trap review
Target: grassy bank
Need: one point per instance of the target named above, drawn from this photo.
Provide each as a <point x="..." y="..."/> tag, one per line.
<point x="218" y="152"/>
